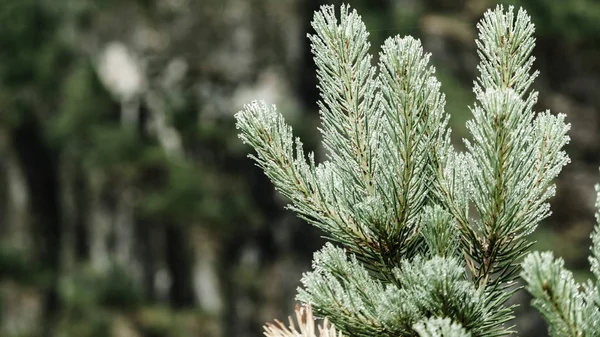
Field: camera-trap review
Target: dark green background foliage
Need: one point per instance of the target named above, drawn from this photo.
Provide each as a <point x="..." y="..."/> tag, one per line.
<point x="105" y="230"/>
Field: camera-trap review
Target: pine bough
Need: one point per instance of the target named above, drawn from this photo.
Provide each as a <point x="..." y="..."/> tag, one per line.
<point x="425" y="240"/>
<point x="569" y="311"/>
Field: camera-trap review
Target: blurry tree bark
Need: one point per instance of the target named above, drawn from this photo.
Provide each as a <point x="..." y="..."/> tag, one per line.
<point x="137" y="165"/>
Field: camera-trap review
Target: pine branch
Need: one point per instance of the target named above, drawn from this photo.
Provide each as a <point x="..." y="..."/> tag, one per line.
<point x="595" y="256"/>
<point x="311" y="189"/>
<point x="439" y="232"/>
<point x="341" y="289"/>
<point x="348" y="105"/>
<point x="555" y="292"/>
<point x="514" y="157"/>
<point x="438" y="288"/>
<point x="569" y="308"/>
<point x="414" y="120"/>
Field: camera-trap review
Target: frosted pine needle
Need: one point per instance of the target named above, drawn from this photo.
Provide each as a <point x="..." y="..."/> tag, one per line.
<point x="395" y="197"/>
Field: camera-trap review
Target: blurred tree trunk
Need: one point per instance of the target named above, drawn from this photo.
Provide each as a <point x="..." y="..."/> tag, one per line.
<point x="179" y="263"/>
<point x="15" y="226"/>
<point x="161" y="188"/>
<point x="39" y="165"/>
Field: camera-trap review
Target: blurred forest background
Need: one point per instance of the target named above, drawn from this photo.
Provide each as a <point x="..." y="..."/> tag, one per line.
<point x="127" y="204"/>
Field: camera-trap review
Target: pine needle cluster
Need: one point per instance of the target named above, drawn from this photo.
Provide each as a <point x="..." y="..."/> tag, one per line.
<point x="570" y="309"/>
<point x="424" y="240"/>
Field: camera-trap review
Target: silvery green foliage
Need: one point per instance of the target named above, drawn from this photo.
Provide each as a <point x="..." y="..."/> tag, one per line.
<point x="438" y="229"/>
<point x="361" y="305"/>
<point x="394" y="194"/>
<point x="440" y="327"/>
<point x="514" y="154"/>
<point x="570" y="309"/>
